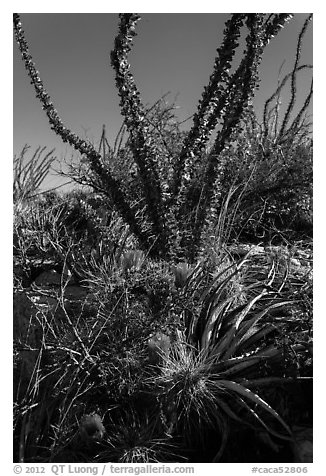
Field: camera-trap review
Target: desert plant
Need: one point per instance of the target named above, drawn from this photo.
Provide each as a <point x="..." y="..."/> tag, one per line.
<point x="175" y="223"/>
<point x="76" y="228"/>
<point x="230" y="352"/>
<point x="134" y="439"/>
<point x="175" y="345"/>
<point x="196" y="400"/>
<point x="29" y="175"/>
<point x="227" y="338"/>
<point x="273" y="156"/>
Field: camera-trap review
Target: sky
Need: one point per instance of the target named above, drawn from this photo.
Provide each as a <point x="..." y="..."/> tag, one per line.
<point x="172" y="53"/>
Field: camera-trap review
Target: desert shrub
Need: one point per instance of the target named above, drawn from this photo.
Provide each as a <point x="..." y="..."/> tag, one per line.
<point x="177" y="350"/>
<point x="276" y="192"/>
<point x="160" y="220"/>
<point x="29" y="174"/>
<point x="231" y="352"/>
<point x="232" y="335"/>
<point x="273" y="158"/>
<point x="72" y="230"/>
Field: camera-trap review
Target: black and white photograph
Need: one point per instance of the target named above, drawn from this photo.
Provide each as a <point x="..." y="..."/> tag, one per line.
<point x="162" y="241"/>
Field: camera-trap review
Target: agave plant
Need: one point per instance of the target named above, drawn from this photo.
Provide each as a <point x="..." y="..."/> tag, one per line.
<point x="211" y="377"/>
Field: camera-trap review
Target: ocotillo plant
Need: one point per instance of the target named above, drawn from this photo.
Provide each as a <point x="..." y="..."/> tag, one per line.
<point x="286" y="132"/>
<point x="176" y="218"/>
<point x="276" y="153"/>
<point x="29" y="175"/>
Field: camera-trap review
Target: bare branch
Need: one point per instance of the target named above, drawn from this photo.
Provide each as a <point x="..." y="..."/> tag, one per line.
<point x="85" y="148"/>
<point x="294" y="75"/>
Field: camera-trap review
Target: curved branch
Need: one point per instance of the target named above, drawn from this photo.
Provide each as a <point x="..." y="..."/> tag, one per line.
<point x="294" y="76"/>
<point x="299" y="119"/>
<point x="276" y="93"/>
<point x="111" y="185"/>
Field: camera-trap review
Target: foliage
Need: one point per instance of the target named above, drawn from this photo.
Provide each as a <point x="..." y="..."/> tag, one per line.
<point x="70" y="230"/>
<point x="224" y="324"/>
<point x="228" y="349"/>
<point x="178" y="345"/>
<point x="273" y="158"/>
<point x="134" y="440"/>
<point x="28" y="175"/>
<point x="275" y="183"/>
<point x="169" y="229"/>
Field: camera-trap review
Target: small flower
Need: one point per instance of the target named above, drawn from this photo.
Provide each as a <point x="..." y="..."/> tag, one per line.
<point x="181" y="274"/>
<point x="91" y="427"/>
<point x="158" y="345"/>
<point x="132" y="259"/>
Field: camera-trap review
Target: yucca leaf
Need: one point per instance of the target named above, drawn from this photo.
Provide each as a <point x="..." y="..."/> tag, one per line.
<point x="224" y="434"/>
<point x="261" y="382"/>
<point x="256" y="339"/>
<point x="214" y="322"/>
<point x="216" y="285"/>
<point x="213" y="291"/>
<point x="269" y="352"/>
<point x="248" y="325"/>
<point x="226" y="408"/>
<point x="267" y="428"/>
<point x="220" y="364"/>
<point x="248" y="329"/>
<point x="251" y="327"/>
<point x="253" y="397"/>
<point x="220" y="319"/>
<point x="239" y="367"/>
<point x="222" y="347"/>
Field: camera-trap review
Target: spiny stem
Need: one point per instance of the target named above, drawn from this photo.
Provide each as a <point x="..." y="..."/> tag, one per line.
<point x="111" y="185"/>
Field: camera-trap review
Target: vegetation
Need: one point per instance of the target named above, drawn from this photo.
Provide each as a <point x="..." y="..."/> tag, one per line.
<point x="167" y="317"/>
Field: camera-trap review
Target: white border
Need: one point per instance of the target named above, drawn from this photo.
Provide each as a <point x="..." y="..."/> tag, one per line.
<point x="319" y="203"/>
